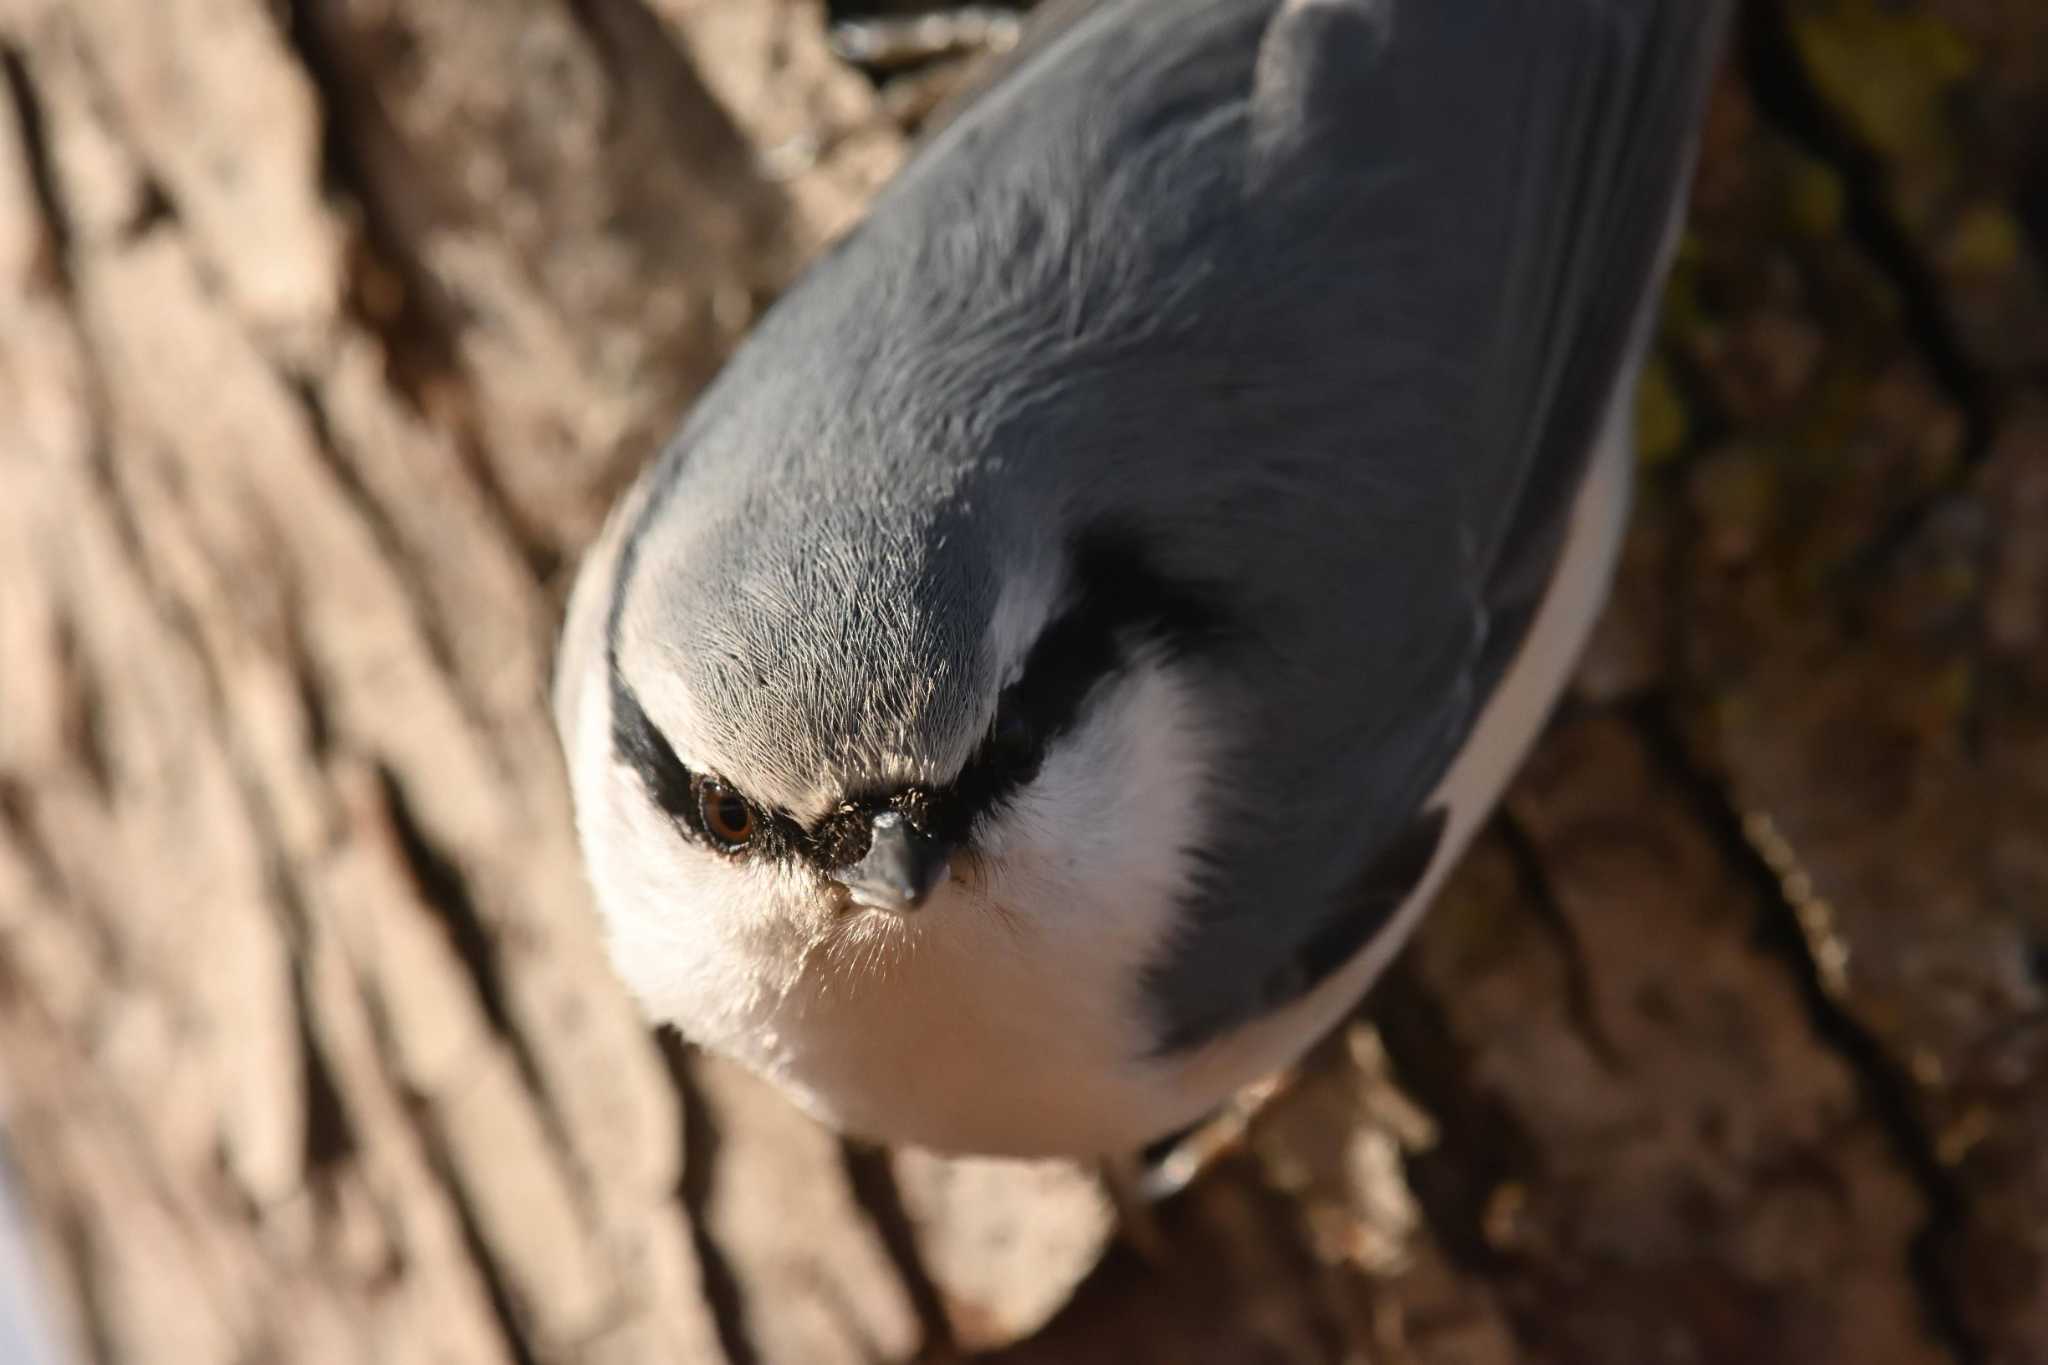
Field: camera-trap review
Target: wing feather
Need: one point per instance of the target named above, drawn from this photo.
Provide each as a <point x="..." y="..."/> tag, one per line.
<point x="1528" y="160"/>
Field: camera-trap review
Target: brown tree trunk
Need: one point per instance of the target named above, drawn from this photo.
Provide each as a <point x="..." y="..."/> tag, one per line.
<point x="329" y="328"/>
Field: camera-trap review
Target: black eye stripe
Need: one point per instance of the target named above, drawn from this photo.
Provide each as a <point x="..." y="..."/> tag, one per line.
<point x="1119" y="598"/>
<point x="643" y="748"/>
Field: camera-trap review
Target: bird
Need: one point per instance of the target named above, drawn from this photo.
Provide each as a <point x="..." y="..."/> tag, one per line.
<point x="1059" y="657"/>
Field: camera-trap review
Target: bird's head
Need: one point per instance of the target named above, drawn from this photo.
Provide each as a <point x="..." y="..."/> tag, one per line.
<point x="884" y="805"/>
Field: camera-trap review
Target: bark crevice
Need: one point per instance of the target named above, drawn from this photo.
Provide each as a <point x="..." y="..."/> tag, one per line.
<point x="1883" y="1082"/>
<point x="721" y="1286"/>
<point x="1788" y="96"/>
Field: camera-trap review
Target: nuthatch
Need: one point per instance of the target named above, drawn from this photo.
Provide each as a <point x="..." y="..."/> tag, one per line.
<point x="1061" y="655"/>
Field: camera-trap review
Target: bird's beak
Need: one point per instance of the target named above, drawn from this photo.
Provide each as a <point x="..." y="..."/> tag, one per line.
<point x="902" y="867"/>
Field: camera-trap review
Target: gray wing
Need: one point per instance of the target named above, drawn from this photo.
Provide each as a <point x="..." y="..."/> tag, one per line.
<point x="1316" y="306"/>
<point x="1527" y="162"/>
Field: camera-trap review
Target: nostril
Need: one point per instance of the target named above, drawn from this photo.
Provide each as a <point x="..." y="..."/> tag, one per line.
<point x="902" y="866"/>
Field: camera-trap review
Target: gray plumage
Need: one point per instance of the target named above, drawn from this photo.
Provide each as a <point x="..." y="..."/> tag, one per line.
<point x="1314" y="308"/>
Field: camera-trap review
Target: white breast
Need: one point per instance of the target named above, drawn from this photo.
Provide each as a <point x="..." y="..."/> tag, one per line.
<point x="969" y="1025"/>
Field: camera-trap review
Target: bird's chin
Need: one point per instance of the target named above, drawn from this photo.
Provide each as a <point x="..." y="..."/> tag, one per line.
<point x="962" y="1026"/>
<point x="1007" y="1012"/>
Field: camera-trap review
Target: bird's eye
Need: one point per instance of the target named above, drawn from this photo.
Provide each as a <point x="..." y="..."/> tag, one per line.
<point x="727" y="817"/>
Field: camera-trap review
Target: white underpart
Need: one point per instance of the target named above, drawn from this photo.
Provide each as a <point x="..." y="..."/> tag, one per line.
<point x="1189" y="1087"/>
<point x="1004" y="1015"/>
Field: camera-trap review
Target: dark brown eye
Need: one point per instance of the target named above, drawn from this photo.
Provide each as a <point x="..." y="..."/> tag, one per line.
<point x="727" y="816"/>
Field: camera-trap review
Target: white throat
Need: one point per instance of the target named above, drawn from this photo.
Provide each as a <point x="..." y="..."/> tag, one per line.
<point x="966" y="1024"/>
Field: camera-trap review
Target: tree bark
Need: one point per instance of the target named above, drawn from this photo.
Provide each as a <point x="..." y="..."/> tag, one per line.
<point x="328" y="331"/>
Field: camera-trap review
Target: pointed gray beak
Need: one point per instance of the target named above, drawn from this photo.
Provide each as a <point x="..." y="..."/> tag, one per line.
<point x="901" y="868"/>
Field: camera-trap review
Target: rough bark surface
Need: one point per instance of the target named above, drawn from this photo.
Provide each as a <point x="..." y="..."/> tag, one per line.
<point x="328" y="329"/>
